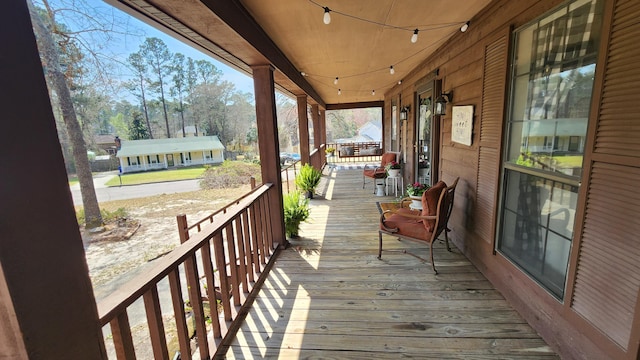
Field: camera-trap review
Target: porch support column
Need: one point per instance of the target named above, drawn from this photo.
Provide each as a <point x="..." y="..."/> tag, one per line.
<point x="317" y="128"/>
<point x="323" y="134"/>
<point x="323" y="126"/>
<point x="303" y="129"/>
<point x="269" y="146"/>
<point x="47" y="307"/>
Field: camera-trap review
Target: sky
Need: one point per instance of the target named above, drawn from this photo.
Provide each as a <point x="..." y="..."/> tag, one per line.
<point x="130" y="33"/>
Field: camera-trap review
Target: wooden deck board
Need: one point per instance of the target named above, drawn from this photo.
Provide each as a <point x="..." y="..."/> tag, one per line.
<point x="328" y="296"/>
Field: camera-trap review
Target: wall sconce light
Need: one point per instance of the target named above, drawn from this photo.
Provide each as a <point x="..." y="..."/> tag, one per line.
<point x="404" y="112"/>
<point x="440" y="106"/>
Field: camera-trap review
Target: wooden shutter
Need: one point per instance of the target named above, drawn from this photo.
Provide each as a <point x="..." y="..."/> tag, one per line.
<point x="493" y="97"/>
<point x="607" y="277"/>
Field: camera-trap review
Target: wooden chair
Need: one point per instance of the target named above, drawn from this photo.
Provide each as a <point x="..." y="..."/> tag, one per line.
<point x="427" y="225"/>
<point x="378" y="171"/>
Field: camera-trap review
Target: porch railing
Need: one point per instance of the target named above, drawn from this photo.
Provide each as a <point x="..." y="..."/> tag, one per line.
<point x="235" y="244"/>
<point x="357" y="152"/>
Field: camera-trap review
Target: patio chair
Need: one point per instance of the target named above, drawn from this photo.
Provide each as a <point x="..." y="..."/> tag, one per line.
<point x="425" y="226"/>
<point x="378" y="171"/>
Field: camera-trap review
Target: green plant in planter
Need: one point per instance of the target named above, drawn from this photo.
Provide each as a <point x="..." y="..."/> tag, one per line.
<point x="296" y="210"/>
<point x="308" y="179"/>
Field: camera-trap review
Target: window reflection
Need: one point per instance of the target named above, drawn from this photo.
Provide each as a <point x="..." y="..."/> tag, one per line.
<point x="424" y="139"/>
<point x="553" y="82"/>
<point x="538" y="227"/>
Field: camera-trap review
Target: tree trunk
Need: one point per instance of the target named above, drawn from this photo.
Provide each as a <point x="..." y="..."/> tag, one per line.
<point x="184" y="134"/>
<point x="164" y="104"/>
<point x="58" y="83"/>
<point x="146" y="112"/>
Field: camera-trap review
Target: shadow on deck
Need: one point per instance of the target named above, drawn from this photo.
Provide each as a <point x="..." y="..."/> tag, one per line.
<point x="328" y="296"/>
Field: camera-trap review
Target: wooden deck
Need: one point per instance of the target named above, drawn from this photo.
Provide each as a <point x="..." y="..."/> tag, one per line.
<point x="328" y="296"/>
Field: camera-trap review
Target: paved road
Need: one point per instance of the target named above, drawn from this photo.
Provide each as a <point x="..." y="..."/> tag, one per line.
<point x="105" y="193"/>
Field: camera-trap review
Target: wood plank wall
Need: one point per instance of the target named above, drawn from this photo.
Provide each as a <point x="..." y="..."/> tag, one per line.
<point x="583" y="326"/>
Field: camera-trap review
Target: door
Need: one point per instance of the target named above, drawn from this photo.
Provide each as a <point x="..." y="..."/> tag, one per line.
<point x="170" y="160"/>
<point x="426" y="138"/>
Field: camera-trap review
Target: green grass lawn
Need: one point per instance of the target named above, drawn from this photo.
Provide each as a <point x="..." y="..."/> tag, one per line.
<point x="157" y="176"/>
<point x="569" y="161"/>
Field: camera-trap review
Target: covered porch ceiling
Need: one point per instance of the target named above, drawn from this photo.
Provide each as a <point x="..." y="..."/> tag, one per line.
<point x="363" y="40"/>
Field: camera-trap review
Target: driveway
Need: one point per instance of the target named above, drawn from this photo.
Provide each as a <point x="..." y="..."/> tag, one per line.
<point x="105" y="193"/>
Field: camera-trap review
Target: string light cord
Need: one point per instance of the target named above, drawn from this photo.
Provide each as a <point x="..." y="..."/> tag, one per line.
<point x="386" y="69"/>
<point x="405" y="28"/>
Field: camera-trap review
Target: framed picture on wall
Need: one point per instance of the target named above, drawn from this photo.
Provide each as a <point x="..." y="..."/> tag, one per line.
<point x="462" y="124"/>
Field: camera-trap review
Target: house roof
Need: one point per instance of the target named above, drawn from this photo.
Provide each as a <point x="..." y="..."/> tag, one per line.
<point x="104" y="139"/>
<point x="169" y="146"/>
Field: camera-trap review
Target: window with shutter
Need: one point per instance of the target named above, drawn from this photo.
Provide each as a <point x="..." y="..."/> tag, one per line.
<point x="554" y="61"/>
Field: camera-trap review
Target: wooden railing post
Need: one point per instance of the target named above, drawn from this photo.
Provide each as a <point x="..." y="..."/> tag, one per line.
<point x="252" y="181"/>
<point x="183" y="228"/>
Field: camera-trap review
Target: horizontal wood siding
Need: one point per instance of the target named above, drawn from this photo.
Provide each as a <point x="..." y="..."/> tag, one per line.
<point x="493" y="90"/>
<point x="607" y="277"/>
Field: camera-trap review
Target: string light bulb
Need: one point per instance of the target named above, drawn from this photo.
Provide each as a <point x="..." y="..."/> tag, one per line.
<point x="399" y="82"/>
<point x="464" y="27"/>
<point x="327" y="17"/>
<point x="339" y="92"/>
<point x="414" y="37"/>
<point x="373" y="93"/>
<point x="391" y="70"/>
<point x="335" y="82"/>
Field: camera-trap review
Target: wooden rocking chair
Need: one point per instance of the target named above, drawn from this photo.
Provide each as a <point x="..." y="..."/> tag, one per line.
<point x="426" y="226"/>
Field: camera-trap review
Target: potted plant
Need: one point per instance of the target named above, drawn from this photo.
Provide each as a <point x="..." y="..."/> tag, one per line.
<point x="415" y="192"/>
<point x="330" y="151"/>
<point x="393" y="168"/>
<point x="308" y="179"/>
<point x="296" y="210"/>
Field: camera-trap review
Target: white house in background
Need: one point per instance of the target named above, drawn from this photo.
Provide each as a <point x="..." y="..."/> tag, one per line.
<point x="371" y="130"/>
<point x="368" y="132"/>
<point x="153" y="154"/>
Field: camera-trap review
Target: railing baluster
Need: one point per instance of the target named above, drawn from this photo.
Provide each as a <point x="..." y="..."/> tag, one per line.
<point x="154" y="321"/>
<point x="242" y="263"/>
<point x="247" y="245"/>
<point x="264" y="221"/>
<point x="259" y="230"/>
<point x="195" y="297"/>
<point x="267" y="216"/>
<point x="179" y="314"/>
<point x="233" y="263"/>
<point x="211" y="289"/>
<point x="221" y="263"/>
<point x="255" y="251"/>
<point x="122" y="341"/>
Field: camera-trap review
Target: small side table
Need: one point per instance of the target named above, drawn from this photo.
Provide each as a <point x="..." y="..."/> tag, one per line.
<point x="396" y="182"/>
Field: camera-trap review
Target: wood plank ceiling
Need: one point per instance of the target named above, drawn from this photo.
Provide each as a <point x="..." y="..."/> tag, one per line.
<point x="362" y="42"/>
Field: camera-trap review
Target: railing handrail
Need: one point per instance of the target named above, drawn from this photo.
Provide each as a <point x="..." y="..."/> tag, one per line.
<point x="223" y="209"/>
<point x="127" y="294"/>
